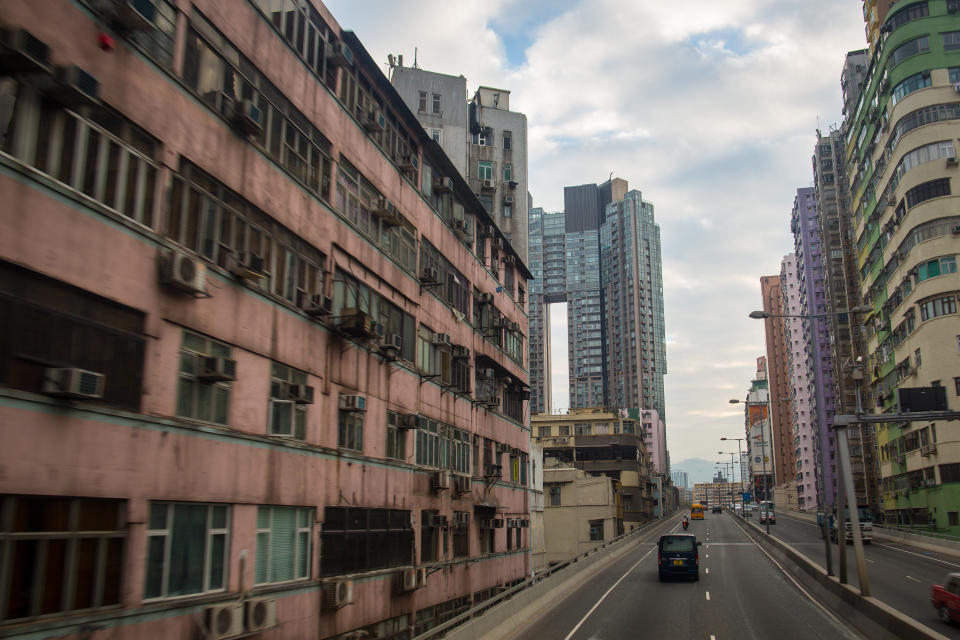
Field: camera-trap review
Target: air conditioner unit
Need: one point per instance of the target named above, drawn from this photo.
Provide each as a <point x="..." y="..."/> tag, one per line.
<point x="180" y="271"/>
<point x="503" y="448"/>
<point x="261" y="614"/>
<point x="462" y="486"/>
<point x="22" y="52"/>
<point x="217" y="369"/>
<point x="340" y="55"/>
<point x="337" y="595"/>
<point x="462" y="518"/>
<point x="436" y="520"/>
<point x="443" y="185"/>
<point x="928" y="450"/>
<point x="509" y="260"/>
<point x="440" y="481"/>
<point x="357" y="323"/>
<point x="492" y="471"/>
<point x="409" y="163"/>
<point x="247" y="117"/>
<point x="225" y="620"/>
<point x="407" y="581"/>
<point x="460" y="352"/>
<point x="460" y="224"/>
<point x="561" y="440"/>
<point x="352" y="402"/>
<point x="316" y="305"/>
<point x="299" y="393"/>
<point x="78" y="384"/>
<point x="430" y="275"/>
<point x="486" y="298"/>
<point x="488" y="185"/>
<point x="441" y="339"/>
<point x="407" y="421"/>
<point x="375" y="121"/>
<point x="486" y="373"/>
<point x="381" y="207"/>
<point x="128" y="15"/>
<point x="498" y="523"/>
<point x="422" y="577"/>
<point x="508" y="200"/>
<point x="392" y="345"/>
<point x="956" y="230"/>
<point x="245" y="265"/>
<point x="496" y="242"/>
<point x="953" y="161"/>
<point x="513" y="327"/>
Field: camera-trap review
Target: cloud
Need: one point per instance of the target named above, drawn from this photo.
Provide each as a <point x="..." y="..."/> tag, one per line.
<point x="709" y="108"/>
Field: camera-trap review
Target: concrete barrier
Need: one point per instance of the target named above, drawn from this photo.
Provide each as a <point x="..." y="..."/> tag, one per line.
<point x="873" y="618"/>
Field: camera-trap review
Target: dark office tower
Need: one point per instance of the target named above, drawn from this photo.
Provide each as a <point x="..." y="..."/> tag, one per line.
<point x="538" y="328"/>
<point x="633" y="304"/>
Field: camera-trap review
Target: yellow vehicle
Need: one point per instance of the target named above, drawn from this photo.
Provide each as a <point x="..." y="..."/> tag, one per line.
<point x="696" y="512"/>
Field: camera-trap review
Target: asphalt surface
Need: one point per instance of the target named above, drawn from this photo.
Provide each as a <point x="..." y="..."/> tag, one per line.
<point x="899" y="575"/>
<point x="741" y="594"/>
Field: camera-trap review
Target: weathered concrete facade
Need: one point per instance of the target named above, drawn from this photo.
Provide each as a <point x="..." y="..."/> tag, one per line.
<point x="249" y="360"/>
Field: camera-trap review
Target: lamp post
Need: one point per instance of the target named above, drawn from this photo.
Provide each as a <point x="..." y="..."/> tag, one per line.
<point x="723" y="453"/>
<point x="824" y="453"/>
<point x="739" y="457"/>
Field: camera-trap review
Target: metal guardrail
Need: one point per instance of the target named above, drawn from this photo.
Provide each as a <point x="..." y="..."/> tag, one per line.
<point x="484" y="606"/>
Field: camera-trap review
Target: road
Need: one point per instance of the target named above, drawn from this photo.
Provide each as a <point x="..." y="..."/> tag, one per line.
<point x="899" y="575"/>
<point x="741" y="594"/>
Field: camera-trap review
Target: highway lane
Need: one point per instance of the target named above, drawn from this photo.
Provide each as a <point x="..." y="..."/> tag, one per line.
<point x="899" y="575"/>
<point x="741" y="594"/>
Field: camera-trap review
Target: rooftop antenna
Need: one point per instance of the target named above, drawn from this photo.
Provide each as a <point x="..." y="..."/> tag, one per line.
<point x="415" y="65"/>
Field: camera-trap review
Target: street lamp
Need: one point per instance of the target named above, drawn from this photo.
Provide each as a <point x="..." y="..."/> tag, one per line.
<point x="822" y="437"/>
<point x="739" y="457"/>
<point x="723" y="453"/>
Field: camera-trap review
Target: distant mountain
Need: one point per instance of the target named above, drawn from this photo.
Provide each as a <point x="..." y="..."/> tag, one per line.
<point x="698" y="469"/>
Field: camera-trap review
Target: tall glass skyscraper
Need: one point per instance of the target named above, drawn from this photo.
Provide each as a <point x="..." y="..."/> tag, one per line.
<point x="602" y="257"/>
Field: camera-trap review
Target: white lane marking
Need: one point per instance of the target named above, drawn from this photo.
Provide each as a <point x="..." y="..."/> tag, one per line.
<point x="871" y="561"/>
<point x="604" y="596"/>
<point x="707" y="555"/>
<point x="912" y="578"/>
<point x="920" y="555"/>
<point x="707" y="570"/>
<point x="713" y="637"/>
<point x="708" y="595"/>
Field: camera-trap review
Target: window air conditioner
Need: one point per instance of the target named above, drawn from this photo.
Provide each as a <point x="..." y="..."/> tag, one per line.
<point x="337" y="595"/>
<point x="421" y="577"/>
<point x="407" y="580"/>
<point x="441" y="340"/>
<point x="340" y="55"/>
<point x="317" y="305"/>
<point x="352" y="402"/>
<point x="443" y="185"/>
<point x="375" y="121"/>
<point x="77" y="384"/>
<point x="261" y="614"/>
<point x="180" y="271"/>
<point x="508" y="200"/>
<point x="392" y="345"/>
<point x="430" y="275"/>
<point x="217" y="369"/>
<point x="488" y="185"/>
<point x="460" y="352"/>
<point x="247" y="117"/>
<point x="225" y="620"/>
<point x="245" y="265"/>
<point x="440" y="481"/>
<point x="299" y="393"/>
<point x="953" y="161"/>
<point x="407" y="421"/>
<point x="486" y="298"/>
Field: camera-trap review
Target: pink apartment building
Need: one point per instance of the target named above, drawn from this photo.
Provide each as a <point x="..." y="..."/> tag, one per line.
<point x="261" y="347"/>
<point x="805" y="447"/>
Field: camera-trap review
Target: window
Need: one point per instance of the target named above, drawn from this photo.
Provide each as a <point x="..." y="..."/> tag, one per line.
<point x="938" y="307"/>
<point x="484" y="170"/>
<point x="287" y="418"/>
<point x="198" y="398"/>
<point x="543" y="432"/>
<point x="422" y="101"/>
<point x="956" y="386"/>
<point x="350" y="293"/>
<point x="442" y="446"/>
<point x="484" y="137"/>
<point x="360" y="539"/>
<point x="916" y="358"/>
<point x="283" y="544"/>
<point x="430" y="535"/>
<point x="507" y="140"/>
<point x="350" y="432"/>
<point x="507" y="172"/>
<point x="396" y="438"/>
<point x="301" y="26"/>
<point x="186" y="548"/>
<point x="60" y="554"/>
<point x="596" y="530"/>
<point x="905" y="15"/>
<point x="103" y="156"/>
<point x="436" y="103"/>
<point x="951" y="40"/>
<point x="938" y="267"/>
<point x="927" y="191"/>
<point x="435" y="134"/>
<point x="913" y="83"/>
<point x="461" y="534"/>
<point x="909" y="48"/>
<point x="555" y="495"/>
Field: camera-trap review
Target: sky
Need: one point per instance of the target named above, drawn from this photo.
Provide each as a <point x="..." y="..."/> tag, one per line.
<point x="708" y="108"/>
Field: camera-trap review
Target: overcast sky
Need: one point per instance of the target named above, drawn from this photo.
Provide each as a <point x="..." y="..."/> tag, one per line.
<point x="709" y="108"/>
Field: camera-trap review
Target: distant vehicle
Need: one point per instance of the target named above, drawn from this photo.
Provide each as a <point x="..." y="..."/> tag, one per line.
<point x="946" y="599"/>
<point x="747" y="510"/>
<point x="767" y="515"/>
<point x="866" y="528"/>
<point x="717" y="509"/>
<point x="678" y="555"/>
<point x="696" y="512"/>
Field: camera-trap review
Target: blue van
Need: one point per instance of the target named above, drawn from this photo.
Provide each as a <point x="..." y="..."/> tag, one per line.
<point x="678" y="555"/>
